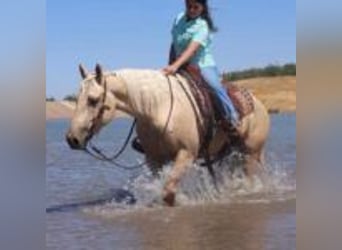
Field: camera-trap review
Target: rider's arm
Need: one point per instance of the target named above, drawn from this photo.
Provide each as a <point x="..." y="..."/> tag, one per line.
<point x="187" y="54"/>
<point x="172" y="54"/>
<point x="183" y="58"/>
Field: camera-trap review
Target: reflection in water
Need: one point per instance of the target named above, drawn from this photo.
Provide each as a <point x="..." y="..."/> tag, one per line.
<point x="220" y="226"/>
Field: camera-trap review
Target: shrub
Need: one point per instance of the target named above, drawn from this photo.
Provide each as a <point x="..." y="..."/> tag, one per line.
<point x="270" y="70"/>
<point x="70" y="98"/>
<point x="50" y="99"/>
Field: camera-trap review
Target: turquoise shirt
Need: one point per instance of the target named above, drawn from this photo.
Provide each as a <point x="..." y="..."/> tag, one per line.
<point x="196" y="30"/>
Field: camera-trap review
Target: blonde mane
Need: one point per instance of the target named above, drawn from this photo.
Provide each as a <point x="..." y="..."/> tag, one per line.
<point x="150" y="90"/>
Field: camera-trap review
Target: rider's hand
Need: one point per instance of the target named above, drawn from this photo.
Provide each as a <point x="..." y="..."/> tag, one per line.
<point x="170" y="70"/>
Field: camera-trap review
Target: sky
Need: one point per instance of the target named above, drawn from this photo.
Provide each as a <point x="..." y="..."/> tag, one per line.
<point x="136" y="34"/>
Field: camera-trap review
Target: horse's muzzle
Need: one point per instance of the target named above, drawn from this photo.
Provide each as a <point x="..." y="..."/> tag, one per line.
<point x="73" y="142"/>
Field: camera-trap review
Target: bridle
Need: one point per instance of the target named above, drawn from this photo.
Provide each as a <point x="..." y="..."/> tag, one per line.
<point x="98" y="154"/>
<point x="96" y="122"/>
<point x="94" y="151"/>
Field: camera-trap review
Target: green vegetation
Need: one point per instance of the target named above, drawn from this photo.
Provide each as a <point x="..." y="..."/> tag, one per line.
<point x="70" y="98"/>
<point x="50" y="99"/>
<point x="270" y="70"/>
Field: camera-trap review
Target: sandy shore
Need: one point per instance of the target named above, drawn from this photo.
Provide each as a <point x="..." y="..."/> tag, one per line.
<point x="277" y="93"/>
<point x="59" y="109"/>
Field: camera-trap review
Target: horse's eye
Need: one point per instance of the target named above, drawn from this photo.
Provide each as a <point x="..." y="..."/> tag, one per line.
<point x="92" y="101"/>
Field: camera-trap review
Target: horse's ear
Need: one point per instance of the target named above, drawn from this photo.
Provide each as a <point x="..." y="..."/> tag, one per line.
<point x="83" y="71"/>
<point x="98" y="73"/>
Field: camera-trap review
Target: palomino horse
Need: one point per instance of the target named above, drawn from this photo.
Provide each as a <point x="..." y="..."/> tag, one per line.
<point x="166" y="119"/>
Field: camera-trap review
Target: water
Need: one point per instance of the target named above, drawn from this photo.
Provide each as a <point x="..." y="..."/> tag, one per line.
<point x="238" y="218"/>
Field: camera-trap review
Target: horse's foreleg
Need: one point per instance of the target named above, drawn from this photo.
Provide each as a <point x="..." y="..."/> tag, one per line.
<point x="183" y="160"/>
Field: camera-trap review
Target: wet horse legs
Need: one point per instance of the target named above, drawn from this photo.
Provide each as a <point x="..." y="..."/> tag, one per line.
<point x="184" y="159"/>
<point x="254" y="165"/>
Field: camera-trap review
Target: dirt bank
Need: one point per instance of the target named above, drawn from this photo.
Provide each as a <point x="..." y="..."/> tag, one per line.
<point x="277" y="93"/>
<point x="59" y="109"/>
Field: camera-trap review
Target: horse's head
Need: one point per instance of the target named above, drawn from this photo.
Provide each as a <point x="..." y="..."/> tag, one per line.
<point x="94" y="108"/>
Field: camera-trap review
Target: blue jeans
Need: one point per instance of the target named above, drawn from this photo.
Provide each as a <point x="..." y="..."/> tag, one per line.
<point x="212" y="77"/>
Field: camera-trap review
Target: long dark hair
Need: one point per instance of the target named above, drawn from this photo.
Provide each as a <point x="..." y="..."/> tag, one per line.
<point x="206" y="15"/>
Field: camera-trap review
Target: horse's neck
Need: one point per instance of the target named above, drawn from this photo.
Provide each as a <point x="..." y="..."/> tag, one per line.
<point x="116" y="87"/>
<point x="137" y="92"/>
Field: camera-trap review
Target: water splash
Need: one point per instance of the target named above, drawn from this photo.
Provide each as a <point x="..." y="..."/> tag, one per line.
<point x="277" y="183"/>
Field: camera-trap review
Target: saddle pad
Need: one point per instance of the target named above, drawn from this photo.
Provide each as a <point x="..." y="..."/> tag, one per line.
<point x="242" y="99"/>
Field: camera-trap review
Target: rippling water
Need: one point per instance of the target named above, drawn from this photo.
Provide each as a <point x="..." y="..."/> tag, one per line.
<point x="238" y="217"/>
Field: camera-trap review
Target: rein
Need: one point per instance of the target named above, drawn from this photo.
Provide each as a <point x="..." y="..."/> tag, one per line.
<point x="99" y="155"/>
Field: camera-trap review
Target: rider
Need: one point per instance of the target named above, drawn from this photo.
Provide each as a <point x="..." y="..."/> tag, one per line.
<point x="192" y="33"/>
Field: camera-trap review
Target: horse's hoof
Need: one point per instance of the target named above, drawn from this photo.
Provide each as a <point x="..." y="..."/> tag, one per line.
<point x="169" y="199"/>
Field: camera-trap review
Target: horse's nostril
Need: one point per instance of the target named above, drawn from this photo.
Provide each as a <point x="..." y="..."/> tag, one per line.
<point x="73" y="141"/>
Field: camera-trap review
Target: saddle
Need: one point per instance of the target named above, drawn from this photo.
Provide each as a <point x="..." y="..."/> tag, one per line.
<point x="209" y="106"/>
